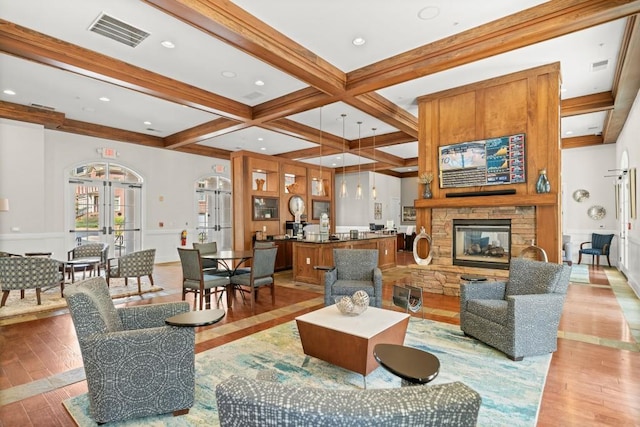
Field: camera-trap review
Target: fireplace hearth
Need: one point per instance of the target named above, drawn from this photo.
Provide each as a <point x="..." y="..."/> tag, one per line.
<point x="483" y="243"/>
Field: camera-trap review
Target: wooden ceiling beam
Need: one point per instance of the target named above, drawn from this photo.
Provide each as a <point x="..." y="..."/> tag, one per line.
<point x="203" y="132"/>
<point x="626" y="83"/>
<point x="594" y="103"/>
<point x="233" y="25"/>
<point x="307" y="133"/>
<point x="22" y="113"/>
<point x="581" y="141"/>
<point x="540" y="23"/>
<point x="28" y="44"/>
<point x="378" y="106"/>
<point x="107" y="132"/>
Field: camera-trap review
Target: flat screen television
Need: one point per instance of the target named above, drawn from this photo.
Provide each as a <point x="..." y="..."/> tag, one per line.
<point x="492" y="161"/>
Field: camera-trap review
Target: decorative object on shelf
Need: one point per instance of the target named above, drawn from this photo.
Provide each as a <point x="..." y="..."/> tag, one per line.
<point x="580" y="195"/>
<point x="353" y="305"/>
<point x="425" y="179"/>
<point x="596" y="212"/>
<point x="543" y="185"/>
<point x="423" y="235"/>
<point x="292" y="188"/>
<point x="296" y="205"/>
<point x="260" y="184"/>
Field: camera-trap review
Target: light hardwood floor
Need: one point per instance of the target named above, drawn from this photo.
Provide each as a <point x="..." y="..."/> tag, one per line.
<point x="594" y="377"/>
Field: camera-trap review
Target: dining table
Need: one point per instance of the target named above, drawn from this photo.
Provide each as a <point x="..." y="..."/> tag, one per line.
<point x="229" y="260"/>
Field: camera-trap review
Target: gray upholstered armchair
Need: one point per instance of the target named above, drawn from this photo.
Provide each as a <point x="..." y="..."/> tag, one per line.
<point x="135" y="365"/>
<point x="21" y="273"/>
<point x="519" y="317"/>
<point x="135" y="264"/>
<point x="354" y="270"/>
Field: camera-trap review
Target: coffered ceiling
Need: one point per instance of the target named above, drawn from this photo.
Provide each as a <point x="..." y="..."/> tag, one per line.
<point x="277" y="76"/>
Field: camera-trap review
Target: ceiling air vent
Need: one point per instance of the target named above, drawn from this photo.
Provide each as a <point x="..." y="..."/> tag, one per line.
<point x="117" y="30"/>
<point x="600" y="65"/>
<point x="253" y="95"/>
<point x="42" y="107"/>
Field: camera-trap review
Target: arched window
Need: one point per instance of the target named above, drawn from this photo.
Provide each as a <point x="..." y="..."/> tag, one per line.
<point x="107" y="206"/>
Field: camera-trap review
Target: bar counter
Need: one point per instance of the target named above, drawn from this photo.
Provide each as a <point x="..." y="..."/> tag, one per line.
<point x="308" y="254"/>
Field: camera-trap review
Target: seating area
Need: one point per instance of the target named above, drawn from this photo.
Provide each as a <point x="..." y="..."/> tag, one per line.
<point x="25" y="273"/>
<point x="135" y="264"/>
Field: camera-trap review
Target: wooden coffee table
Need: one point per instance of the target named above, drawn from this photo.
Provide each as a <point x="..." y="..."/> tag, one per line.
<point x="348" y="341"/>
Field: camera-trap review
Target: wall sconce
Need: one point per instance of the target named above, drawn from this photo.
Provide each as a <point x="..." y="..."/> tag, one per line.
<point x="4" y="205"/>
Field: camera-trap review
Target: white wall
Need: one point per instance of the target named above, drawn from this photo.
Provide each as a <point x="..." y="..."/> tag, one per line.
<point x="352" y="213"/>
<point x="587" y="168"/>
<point x="628" y="142"/>
<point x="34" y="166"/>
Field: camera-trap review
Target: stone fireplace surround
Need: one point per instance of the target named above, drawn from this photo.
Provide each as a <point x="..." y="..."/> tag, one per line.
<point x="441" y="276"/>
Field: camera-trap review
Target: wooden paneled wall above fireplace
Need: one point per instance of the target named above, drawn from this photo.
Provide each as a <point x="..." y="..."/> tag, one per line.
<point x="525" y="102"/>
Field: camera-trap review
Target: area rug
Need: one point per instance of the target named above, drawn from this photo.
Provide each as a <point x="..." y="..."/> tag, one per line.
<point x="51" y="299"/>
<point x="579" y="273"/>
<point x="511" y="391"/>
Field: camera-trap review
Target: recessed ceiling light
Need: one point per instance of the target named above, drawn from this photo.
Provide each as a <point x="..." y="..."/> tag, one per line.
<point x="259" y="83"/>
<point x="147" y="123"/>
<point x="333" y="164"/>
<point x="263" y="148"/>
<point x="260" y="139"/>
<point x="8" y="92"/>
<point x="428" y="12"/>
<point x="228" y="74"/>
<point x="569" y="132"/>
<point x="168" y="44"/>
<point x="358" y="41"/>
<point x="104" y="99"/>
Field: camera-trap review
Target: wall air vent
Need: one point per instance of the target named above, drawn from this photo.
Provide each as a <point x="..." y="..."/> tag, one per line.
<point x="600" y="65"/>
<point x="43" y="107"/>
<point x="117" y="30"/>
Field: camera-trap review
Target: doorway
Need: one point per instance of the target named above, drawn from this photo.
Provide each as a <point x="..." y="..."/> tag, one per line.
<point x="214" y="209"/>
<point x="107" y="207"/>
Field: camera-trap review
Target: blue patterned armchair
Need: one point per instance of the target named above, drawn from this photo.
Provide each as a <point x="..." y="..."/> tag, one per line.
<point x="135" y="264"/>
<point x="599" y="245"/>
<point x="21" y="273"/>
<point x="354" y="270"/>
<point x="90" y="250"/>
<point x="519" y="317"/>
<point x="135" y="365"/>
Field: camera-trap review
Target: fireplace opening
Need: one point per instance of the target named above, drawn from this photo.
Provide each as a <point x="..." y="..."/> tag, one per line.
<point x="484" y="243"/>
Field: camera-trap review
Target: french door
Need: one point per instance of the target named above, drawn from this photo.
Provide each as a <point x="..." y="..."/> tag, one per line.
<point x="106" y="208"/>
<point x="213" y="198"/>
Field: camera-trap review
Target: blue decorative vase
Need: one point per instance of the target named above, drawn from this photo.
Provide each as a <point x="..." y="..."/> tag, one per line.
<point x="543" y="185"/>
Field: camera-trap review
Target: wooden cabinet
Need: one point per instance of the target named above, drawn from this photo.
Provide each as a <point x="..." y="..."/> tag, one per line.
<point x="284" y="258"/>
<point x="262" y="188"/>
<point x="307" y="255"/>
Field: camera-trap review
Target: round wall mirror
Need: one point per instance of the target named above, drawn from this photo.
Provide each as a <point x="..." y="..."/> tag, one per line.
<point x="296" y="205"/>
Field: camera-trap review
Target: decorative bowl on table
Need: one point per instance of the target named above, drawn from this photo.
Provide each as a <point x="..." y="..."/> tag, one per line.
<point x="353" y="305"/>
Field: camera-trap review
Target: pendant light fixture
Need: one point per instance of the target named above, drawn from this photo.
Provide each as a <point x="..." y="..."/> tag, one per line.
<point x="343" y="187"/>
<point x="320" y="183"/>
<point x="359" y="187"/>
<point x="374" y="192"/>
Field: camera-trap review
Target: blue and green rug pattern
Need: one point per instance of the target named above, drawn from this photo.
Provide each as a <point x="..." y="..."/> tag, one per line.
<point x="511" y="391"/>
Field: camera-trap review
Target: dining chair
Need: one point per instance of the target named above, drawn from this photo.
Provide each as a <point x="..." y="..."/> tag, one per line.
<point x="535" y="253"/>
<point x="208" y="265"/>
<point x="196" y="281"/>
<point x="261" y="274"/>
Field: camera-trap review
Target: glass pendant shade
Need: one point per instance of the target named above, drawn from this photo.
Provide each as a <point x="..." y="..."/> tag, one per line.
<point x="343" y="189"/>
<point x="374" y="192"/>
<point x="359" y="192"/>
<point x="359" y="187"/>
